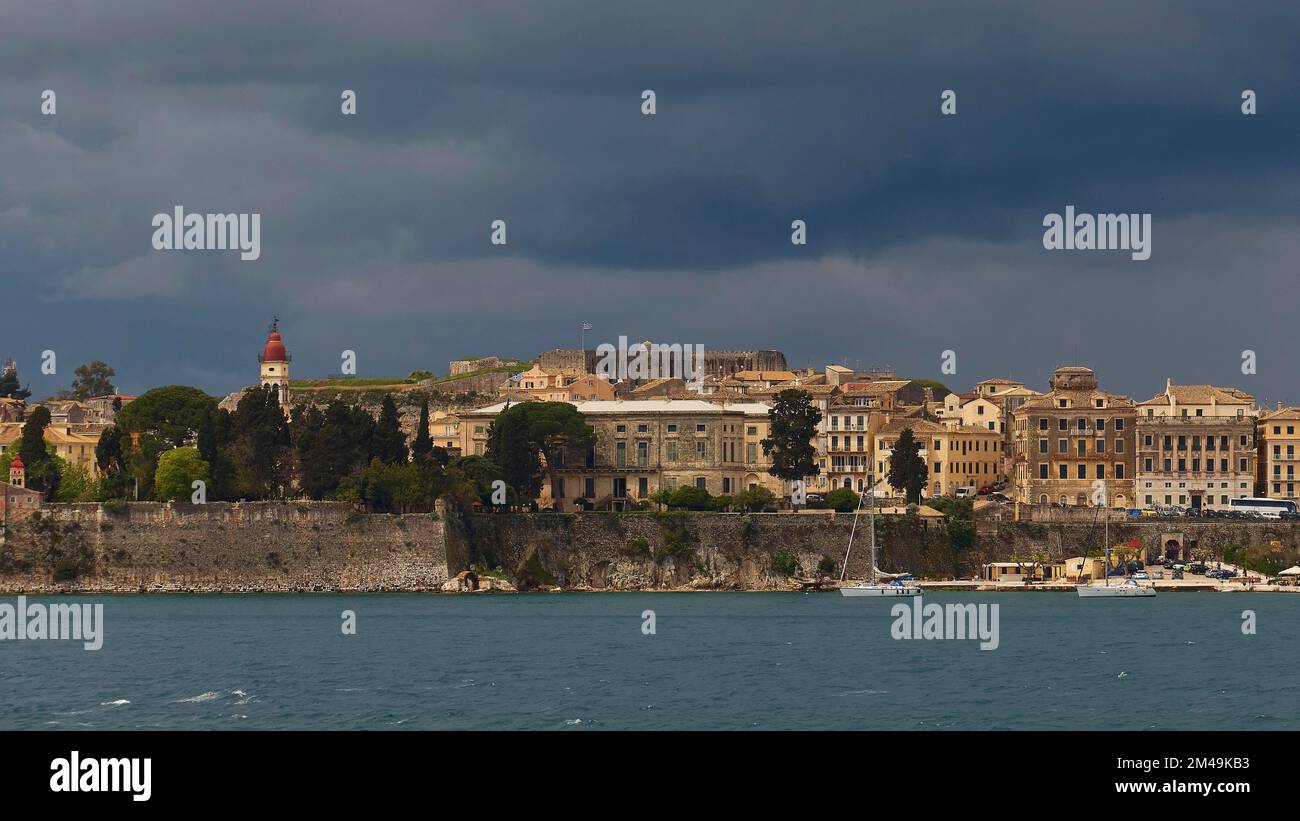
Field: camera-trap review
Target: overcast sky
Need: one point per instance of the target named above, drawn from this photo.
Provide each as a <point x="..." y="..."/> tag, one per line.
<point x="924" y="231"/>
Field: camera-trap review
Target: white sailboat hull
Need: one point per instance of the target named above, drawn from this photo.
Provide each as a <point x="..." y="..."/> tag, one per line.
<point x="1119" y="591"/>
<point x="872" y="589"/>
<point x="880" y="590"/>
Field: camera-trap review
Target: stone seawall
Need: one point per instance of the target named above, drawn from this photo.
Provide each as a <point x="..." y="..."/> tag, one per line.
<point x="220" y="547"/>
<point x="1203" y="538"/>
<point x="325" y="546"/>
<point x="646" y="551"/>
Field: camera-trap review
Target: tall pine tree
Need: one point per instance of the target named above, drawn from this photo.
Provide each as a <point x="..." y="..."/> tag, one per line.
<point x="390" y="442"/>
<point x="907" y="470"/>
<point x="422" y="445"/>
<point x="42" y="470"/>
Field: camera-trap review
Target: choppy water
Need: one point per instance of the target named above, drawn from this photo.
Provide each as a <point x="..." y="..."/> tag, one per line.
<point x="717" y="661"/>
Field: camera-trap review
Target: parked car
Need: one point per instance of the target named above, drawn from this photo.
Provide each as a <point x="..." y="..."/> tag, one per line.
<point x="1141" y="576"/>
<point x="999" y="497"/>
<point x="985" y="490"/>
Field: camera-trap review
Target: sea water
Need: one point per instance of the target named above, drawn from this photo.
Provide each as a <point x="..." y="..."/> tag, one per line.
<point x="713" y="661"/>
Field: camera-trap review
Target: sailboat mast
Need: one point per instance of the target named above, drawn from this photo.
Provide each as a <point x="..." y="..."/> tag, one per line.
<point x="1106" y="536"/>
<point x="875" y="574"/>
<point x="845" y="566"/>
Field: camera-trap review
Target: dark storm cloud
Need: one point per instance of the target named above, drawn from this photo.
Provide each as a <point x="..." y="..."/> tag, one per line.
<point x="924" y="231"/>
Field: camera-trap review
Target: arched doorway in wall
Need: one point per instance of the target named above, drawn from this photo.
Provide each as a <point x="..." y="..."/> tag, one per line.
<point x="1173" y="548"/>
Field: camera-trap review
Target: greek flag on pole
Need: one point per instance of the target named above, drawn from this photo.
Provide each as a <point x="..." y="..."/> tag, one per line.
<point x="587" y="326"/>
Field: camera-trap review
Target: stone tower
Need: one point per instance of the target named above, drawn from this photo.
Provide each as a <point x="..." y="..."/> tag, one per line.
<point x="17" y="472"/>
<point x="275" y="364"/>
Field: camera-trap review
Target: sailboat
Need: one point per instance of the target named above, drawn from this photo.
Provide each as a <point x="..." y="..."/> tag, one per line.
<point x="873" y="588"/>
<point x="1128" y="589"/>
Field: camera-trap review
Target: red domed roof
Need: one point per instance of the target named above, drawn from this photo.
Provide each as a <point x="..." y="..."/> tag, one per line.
<point x="17" y="462"/>
<point x="274" y="350"/>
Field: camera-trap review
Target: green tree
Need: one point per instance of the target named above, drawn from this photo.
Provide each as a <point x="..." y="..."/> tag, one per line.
<point x="511" y="448"/>
<point x="259" y="444"/>
<point x="173" y="413"/>
<point x="142" y="464"/>
<point x="907" y="470"/>
<point x="793" y="424"/>
<point x="332" y="446"/>
<point x="75" y="484"/>
<point x="95" y="379"/>
<point x="40" y="465"/>
<point x="422" y="445"/>
<point x="959" y="520"/>
<point x="10" y="388"/>
<point x="530" y="437"/>
<point x="459" y="490"/>
<point x="555" y="428"/>
<point x="178" y="470"/>
<point x="214" y="448"/>
<point x="390" y="442"/>
<point x="112" y="450"/>
<point x="691" y="498"/>
<point x="785" y="563"/>
<point x="480" y="471"/>
<point x="397" y="488"/>
<point x="755" y="499"/>
<point x="842" y="500"/>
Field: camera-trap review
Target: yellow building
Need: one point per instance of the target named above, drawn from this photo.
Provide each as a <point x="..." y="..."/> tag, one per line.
<point x="584" y="388"/>
<point x="643" y="446"/>
<point x="444" y="430"/>
<point x="1008" y="395"/>
<point x="557" y="385"/>
<point x="823" y="397"/>
<point x="73" y="447"/>
<point x="973" y="410"/>
<point x="1278" y="443"/>
<point x="850" y="431"/>
<point x="957" y="456"/>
